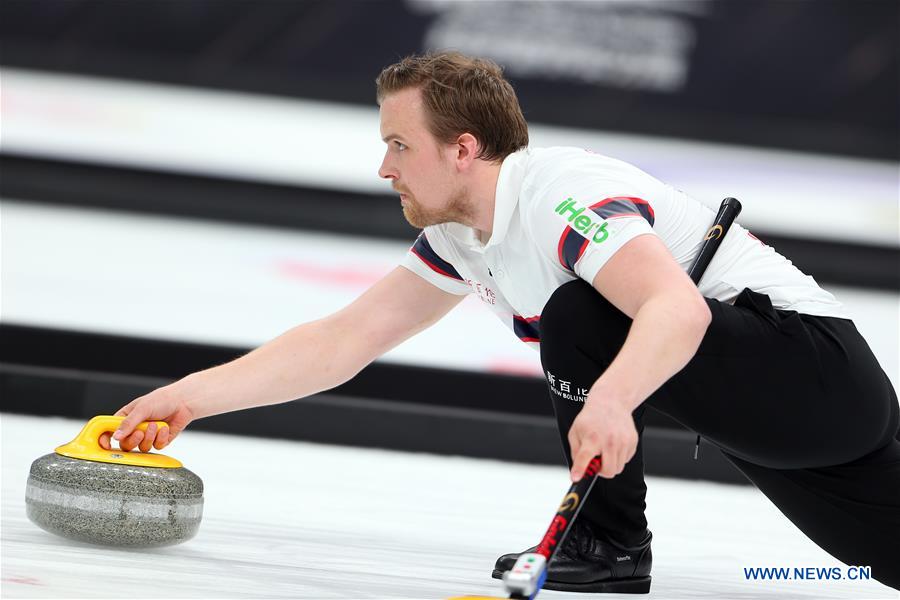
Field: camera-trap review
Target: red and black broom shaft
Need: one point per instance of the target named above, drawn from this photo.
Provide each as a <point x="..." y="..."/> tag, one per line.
<point x="568" y="510"/>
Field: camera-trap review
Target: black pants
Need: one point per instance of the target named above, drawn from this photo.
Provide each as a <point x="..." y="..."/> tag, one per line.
<point x="798" y="403"/>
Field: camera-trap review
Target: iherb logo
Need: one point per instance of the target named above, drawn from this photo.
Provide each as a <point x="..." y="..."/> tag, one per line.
<point x="593" y="230"/>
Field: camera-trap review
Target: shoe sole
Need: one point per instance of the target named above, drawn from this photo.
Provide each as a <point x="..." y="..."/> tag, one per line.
<point x="632" y="585"/>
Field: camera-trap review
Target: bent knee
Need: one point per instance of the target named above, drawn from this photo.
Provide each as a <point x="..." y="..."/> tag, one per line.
<point x="576" y="311"/>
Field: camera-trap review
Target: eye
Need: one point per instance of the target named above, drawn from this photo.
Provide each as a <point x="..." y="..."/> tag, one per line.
<point x="400" y="145"/>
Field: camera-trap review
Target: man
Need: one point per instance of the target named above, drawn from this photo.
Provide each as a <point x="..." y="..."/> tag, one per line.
<point x="584" y="258"/>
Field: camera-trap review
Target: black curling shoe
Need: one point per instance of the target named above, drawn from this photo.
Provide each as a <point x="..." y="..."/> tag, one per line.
<point x="587" y="563"/>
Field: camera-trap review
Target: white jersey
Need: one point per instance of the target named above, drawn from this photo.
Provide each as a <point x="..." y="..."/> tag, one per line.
<point x="561" y="213"/>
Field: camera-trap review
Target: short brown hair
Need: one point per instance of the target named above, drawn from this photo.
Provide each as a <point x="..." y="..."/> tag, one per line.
<point x="462" y="94"/>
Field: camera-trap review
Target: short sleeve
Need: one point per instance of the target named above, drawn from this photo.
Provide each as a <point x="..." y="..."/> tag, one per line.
<point x="581" y="233"/>
<point x="424" y="261"/>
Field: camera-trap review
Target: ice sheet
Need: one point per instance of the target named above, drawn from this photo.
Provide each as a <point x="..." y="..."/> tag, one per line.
<point x="296" y="520"/>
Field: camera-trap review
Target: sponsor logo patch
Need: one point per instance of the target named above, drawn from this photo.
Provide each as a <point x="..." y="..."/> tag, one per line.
<point x="593" y="229"/>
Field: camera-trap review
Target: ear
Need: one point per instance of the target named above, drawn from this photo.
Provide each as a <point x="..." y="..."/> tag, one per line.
<point x="466" y="150"/>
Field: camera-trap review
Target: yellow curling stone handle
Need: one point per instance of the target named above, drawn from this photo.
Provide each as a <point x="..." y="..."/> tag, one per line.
<point x="86" y="446"/>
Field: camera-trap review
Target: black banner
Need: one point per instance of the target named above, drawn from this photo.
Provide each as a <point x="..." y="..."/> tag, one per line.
<point x="819" y="75"/>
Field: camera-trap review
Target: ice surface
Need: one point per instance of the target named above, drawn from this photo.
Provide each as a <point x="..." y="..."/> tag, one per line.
<point x="296" y="520"/>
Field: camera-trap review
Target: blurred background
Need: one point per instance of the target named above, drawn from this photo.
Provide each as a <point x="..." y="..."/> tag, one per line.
<point x="184" y="180"/>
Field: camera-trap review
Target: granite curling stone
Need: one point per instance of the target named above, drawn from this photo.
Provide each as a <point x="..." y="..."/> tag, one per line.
<point x="111" y="497"/>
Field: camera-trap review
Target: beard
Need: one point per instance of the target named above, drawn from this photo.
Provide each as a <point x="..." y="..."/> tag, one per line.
<point x="455" y="211"/>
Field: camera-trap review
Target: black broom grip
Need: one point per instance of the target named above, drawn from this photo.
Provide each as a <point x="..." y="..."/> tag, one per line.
<point x="728" y="212"/>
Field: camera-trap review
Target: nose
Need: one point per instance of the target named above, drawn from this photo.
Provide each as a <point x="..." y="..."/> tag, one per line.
<point x="386" y="170"/>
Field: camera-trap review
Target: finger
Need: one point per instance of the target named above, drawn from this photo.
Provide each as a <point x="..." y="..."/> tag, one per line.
<point x="149" y="438"/>
<point x="574" y="441"/>
<point x="574" y="450"/>
<point x="106" y="438"/>
<point x="131" y="442"/>
<point x="162" y="438"/>
<point x="580" y="462"/>
<point x="135" y="416"/>
<point x="610" y="462"/>
<point x="617" y="468"/>
<point x="632" y="450"/>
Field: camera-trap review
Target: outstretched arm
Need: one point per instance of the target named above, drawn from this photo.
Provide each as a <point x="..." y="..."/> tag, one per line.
<point x="307" y="359"/>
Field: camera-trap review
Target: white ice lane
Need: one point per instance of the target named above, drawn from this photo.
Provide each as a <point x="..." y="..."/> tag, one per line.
<point x="239" y="285"/>
<point x="297" y="520"/>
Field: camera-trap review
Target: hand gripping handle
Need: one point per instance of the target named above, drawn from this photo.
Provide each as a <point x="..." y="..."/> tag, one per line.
<point x="86" y="445"/>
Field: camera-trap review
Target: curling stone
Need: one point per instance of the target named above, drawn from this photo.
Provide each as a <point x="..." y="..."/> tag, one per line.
<point x="111" y="497"/>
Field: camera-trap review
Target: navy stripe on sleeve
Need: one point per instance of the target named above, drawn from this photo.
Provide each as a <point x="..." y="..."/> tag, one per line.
<point x="527" y="330"/>
<point x="424" y="251"/>
<point x="624" y="206"/>
<point x="571" y="246"/>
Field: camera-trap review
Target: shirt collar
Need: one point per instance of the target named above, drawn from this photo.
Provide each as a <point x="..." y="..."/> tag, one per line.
<point x="506" y="197"/>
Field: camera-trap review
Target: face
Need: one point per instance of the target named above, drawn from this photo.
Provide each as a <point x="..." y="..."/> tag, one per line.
<point x="420" y="167"/>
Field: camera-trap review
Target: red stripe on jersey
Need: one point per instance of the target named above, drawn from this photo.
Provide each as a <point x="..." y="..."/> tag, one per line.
<point x="527" y="319"/>
<point x="582" y="249"/>
<point x="559" y="247"/>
